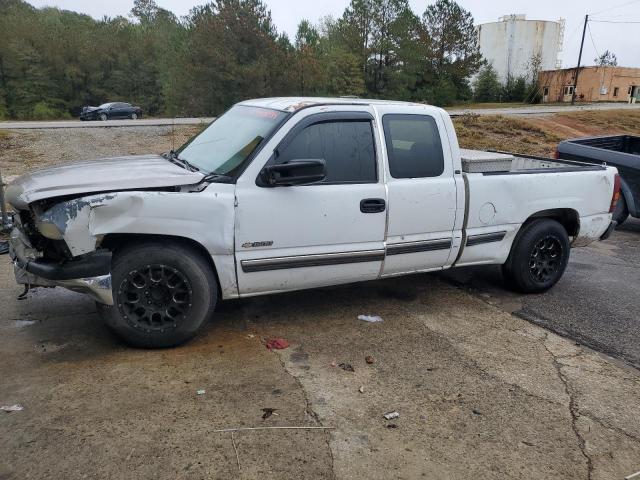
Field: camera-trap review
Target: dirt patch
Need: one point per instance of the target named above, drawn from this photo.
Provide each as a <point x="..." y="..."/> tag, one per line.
<point x="24" y="151"/>
<point x="497" y="132"/>
<point x="540" y="135"/>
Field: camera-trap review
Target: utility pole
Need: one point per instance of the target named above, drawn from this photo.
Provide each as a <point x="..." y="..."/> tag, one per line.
<point x="575" y="77"/>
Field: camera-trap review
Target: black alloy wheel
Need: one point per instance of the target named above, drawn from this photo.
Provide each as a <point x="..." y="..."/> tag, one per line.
<point x="539" y="256"/>
<point x="544" y="261"/>
<point x="164" y="291"/>
<point x="155" y="298"/>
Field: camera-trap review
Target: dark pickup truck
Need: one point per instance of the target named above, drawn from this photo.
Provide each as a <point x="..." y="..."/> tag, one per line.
<point x="620" y="151"/>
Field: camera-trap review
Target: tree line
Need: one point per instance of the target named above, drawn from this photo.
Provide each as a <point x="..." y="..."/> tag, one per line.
<point x="53" y="61"/>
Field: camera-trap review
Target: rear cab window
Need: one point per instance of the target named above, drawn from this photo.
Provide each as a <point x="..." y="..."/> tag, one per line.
<point x="413" y="146"/>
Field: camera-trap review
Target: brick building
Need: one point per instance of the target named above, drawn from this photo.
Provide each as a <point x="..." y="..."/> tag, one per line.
<point x="595" y="84"/>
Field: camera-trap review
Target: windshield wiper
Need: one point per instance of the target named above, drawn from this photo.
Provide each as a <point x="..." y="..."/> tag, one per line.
<point x="175" y="158"/>
<point x="217" y="178"/>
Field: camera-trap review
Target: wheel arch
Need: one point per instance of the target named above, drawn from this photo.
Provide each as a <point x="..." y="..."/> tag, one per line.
<point x="567" y="217"/>
<point x="115" y="241"/>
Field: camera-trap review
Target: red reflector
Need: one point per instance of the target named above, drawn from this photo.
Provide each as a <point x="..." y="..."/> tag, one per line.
<point x="616" y="193"/>
<point x="556" y="154"/>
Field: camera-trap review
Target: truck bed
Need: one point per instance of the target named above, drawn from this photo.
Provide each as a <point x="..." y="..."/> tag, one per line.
<point x="496" y="163"/>
<point x="616" y="143"/>
<point x="499" y="200"/>
<point x="620" y="151"/>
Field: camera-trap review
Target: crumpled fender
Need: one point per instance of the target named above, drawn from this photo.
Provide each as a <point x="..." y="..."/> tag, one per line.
<point x="206" y="217"/>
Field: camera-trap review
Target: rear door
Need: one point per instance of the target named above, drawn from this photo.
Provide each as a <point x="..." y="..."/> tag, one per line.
<point x="422" y="193"/>
<point x="125" y="110"/>
<point x="304" y="236"/>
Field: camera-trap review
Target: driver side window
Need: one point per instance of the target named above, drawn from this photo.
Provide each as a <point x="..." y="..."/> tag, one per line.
<point x="347" y="147"/>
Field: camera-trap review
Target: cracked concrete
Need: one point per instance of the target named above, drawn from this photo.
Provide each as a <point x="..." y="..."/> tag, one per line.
<point x="481" y="393"/>
<point x="595" y="303"/>
<point x="573" y="410"/>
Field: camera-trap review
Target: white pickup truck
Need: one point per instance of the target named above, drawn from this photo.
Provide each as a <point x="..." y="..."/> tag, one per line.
<point x="291" y="193"/>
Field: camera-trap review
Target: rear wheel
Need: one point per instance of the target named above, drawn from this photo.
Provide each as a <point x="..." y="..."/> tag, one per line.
<point x="163" y="294"/>
<point x="621" y="213"/>
<point x="134" y="116"/>
<point x="538" y="257"/>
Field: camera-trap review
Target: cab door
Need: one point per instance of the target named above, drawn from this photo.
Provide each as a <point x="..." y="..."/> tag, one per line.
<point x="326" y="233"/>
<point x="422" y="192"/>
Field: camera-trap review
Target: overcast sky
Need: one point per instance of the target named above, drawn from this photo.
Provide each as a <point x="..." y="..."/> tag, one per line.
<point x="622" y="39"/>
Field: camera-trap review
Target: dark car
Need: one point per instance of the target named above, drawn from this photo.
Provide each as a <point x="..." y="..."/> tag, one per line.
<point x="107" y="111"/>
<point x="620" y="151"/>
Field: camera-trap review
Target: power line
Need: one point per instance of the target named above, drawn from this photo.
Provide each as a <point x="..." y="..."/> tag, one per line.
<point x="615" y="7"/>
<point x="592" y="42"/>
<point x="613" y="21"/>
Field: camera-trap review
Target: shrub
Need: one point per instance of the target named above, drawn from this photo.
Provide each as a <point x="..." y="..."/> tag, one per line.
<point x="44" y="111"/>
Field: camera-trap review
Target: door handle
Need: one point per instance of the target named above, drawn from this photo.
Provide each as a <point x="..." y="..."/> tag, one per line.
<point x="372" y="205"/>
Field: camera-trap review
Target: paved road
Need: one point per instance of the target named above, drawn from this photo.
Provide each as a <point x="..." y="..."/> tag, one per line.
<point x="543" y="109"/>
<point x="516" y="111"/>
<point x="142" y="122"/>
<point x="481" y="394"/>
<point x="597" y="302"/>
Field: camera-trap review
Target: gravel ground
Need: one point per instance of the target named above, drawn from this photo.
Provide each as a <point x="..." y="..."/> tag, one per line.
<point x="24" y="151"/>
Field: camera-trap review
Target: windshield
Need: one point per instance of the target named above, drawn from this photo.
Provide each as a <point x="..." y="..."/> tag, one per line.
<point x="105" y="105"/>
<point x="229" y="141"/>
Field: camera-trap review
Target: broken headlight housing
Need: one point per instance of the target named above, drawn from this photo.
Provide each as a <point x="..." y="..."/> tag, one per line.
<point x="49" y="230"/>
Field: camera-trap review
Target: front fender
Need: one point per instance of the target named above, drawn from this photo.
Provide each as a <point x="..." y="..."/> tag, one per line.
<point x="206" y="217"/>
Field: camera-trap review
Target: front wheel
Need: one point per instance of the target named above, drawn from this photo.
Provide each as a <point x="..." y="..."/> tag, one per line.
<point x="538" y="257"/>
<point x="163" y="294"/>
<point x="103" y="116"/>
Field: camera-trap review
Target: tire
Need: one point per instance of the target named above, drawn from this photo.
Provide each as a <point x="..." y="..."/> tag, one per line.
<point x="538" y="257"/>
<point x="103" y="117"/>
<point x="621" y="213"/>
<point x="163" y="294"/>
<point x="134" y="116"/>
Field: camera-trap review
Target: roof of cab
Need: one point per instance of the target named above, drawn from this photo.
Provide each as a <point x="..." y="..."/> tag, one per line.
<point x="291" y="104"/>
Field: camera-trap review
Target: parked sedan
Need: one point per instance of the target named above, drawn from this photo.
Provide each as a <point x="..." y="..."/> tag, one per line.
<point x="108" y="111"/>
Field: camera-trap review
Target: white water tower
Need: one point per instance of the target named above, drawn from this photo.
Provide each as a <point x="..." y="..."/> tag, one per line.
<point x="512" y="42"/>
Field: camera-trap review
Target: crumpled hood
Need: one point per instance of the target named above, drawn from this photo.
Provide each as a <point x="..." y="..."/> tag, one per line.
<point x="103" y="175"/>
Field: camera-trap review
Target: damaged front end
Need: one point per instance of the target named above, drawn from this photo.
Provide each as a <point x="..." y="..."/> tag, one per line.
<point x="58" y="228"/>
<point x="46" y="262"/>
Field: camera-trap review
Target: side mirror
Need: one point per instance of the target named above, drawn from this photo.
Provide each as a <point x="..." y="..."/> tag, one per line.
<point x="294" y="172"/>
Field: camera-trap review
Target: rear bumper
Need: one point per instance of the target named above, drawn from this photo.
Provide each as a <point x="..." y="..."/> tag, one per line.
<point x="593" y="228"/>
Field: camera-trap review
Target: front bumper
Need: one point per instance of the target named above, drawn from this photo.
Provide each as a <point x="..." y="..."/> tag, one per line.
<point x="89" y="116"/>
<point x="89" y="274"/>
